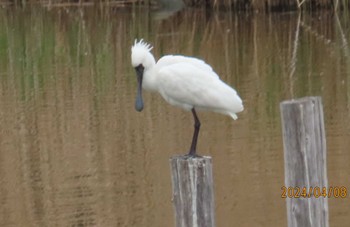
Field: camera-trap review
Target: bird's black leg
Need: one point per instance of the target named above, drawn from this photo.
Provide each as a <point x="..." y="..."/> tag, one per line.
<point x="197" y="125"/>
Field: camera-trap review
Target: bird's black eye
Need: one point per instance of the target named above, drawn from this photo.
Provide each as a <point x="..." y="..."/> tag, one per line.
<point x="139" y="68"/>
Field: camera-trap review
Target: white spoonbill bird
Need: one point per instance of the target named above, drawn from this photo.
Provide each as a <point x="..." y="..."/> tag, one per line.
<point x="184" y="82"/>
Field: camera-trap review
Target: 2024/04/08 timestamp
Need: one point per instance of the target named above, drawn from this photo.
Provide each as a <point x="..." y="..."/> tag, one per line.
<point x="308" y="192"/>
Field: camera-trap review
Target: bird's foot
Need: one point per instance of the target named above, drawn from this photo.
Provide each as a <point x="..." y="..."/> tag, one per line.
<point x="192" y="154"/>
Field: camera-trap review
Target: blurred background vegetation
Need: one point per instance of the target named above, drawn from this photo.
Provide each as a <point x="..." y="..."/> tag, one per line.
<point x="235" y="5"/>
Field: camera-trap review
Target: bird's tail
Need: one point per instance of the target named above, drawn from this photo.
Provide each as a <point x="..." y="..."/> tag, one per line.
<point x="234" y="116"/>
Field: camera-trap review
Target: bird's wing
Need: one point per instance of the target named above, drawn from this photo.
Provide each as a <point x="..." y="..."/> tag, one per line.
<point x="187" y="86"/>
<point x="174" y="59"/>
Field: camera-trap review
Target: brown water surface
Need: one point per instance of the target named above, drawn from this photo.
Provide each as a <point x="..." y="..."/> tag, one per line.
<point x="74" y="152"/>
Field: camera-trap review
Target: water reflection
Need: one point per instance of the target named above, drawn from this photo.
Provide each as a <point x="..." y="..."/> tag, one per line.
<point x="73" y="152"/>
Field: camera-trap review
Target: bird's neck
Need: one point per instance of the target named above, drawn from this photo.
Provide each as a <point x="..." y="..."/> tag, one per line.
<point x="150" y="80"/>
<point x="149" y="76"/>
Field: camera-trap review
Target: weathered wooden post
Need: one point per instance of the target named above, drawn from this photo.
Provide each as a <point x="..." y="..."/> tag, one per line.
<point x="193" y="194"/>
<point x="305" y="162"/>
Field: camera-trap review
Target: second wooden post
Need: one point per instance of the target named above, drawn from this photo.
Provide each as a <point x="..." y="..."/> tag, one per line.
<point x="305" y="162"/>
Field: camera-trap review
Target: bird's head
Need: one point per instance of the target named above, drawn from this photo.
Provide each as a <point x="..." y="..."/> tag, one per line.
<point x="140" y="53"/>
<point x="141" y="59"/>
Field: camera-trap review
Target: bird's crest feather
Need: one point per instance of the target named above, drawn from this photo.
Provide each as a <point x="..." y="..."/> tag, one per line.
<point x="142" y="45"/>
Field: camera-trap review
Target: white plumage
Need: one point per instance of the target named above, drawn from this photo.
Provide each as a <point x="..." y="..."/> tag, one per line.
<point x="185" y="82"/>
